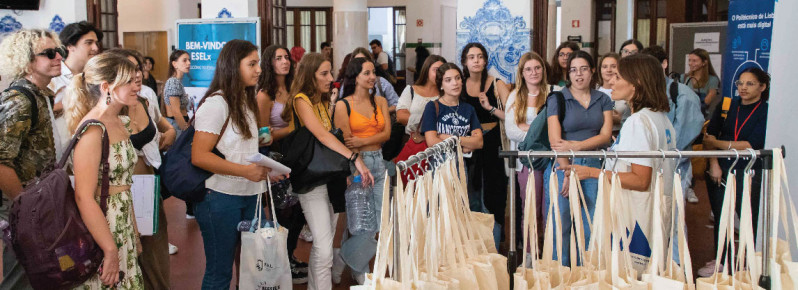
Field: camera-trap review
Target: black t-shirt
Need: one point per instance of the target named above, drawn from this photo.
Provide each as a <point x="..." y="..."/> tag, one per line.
<point x="483" y="115"/>
<point x="752" y="130"/>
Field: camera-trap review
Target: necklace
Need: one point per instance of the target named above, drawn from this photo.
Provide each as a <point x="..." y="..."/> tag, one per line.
<point x="533" y="94"/>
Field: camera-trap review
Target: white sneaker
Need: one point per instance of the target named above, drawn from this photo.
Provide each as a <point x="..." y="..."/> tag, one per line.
<point x="691" y="197"/>
<point x="172" y="249"/>
<point x="190" y="217"/>
<point x="338" y="266"/>
<point x="306" y="235"/>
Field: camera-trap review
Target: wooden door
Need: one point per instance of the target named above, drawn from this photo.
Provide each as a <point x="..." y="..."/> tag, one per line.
<point x="153" y="44"/>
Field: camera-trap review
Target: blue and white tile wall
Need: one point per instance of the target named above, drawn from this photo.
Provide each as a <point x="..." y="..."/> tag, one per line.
<point x="57" y="24"/>
<point x="9" y="24"/>
<point x="505" y="35"/>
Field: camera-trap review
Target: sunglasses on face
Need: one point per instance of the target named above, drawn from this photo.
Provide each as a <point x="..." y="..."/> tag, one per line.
<point x="50" y="52"/>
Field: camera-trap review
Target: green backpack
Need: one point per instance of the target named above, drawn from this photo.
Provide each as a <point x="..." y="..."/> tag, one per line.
<point x="537" y="137"/>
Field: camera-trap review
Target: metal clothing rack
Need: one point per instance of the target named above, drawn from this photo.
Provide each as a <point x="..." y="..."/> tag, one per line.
<point x="443" y="146"/>
<point x="766" y="155"/>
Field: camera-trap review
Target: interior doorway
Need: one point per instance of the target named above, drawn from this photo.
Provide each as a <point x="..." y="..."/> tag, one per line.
<point x="153" y="44"/>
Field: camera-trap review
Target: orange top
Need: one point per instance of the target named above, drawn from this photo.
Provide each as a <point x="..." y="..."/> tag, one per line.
<point x="363" y="126"/>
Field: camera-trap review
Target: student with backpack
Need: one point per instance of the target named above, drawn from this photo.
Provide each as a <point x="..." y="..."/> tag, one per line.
<point x="586" y="125"/>
<point x="226" y="120"/>
<point x="32" y="57"/>
<point x="100" y="93"/>
<point x="411" y="107"/>
<point x="685" y="115"/>
<point x="365" y="123"/>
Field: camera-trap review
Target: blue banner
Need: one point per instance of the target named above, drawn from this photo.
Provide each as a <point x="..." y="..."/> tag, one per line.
<point x="204" y="39"/>
<point x="748" y="42"/>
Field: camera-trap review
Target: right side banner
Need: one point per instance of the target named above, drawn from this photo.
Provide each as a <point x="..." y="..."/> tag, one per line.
<point x="748" y="41"/>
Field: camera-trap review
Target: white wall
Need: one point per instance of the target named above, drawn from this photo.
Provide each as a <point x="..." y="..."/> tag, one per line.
<point x="237" y="8"/>
<point x="68" y="10"/>
<point x="583" y="11"/>
<point x="160" y="15"/>
<point x="782" y="103"/>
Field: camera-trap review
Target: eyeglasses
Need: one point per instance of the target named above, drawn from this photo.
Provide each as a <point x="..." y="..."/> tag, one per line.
<point x="584" y="69"/>
<point x="50" y="52"/>
<point x="747" y="84"/>
<point x="564" y="54"/>
<point x="628" y="52"/>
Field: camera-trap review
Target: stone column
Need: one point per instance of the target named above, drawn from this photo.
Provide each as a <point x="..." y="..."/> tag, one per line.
<point x="350" y="29"/>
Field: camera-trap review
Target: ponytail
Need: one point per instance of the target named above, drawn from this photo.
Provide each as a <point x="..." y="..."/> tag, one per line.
<point x="79" y="101"/>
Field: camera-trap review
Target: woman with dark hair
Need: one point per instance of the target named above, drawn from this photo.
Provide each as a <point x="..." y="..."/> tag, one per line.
<point x="630" y="47"/>
<point x="309" y="101"/>
<point x="174" y="95"/>
<point x="383" y="87"/>
<point x="227" y="121"/>
<point x="448" y="116"/>
<point x="488" y="180"/>
<point x="415" y="97"/>
<point x="277" y="73"/>
<point x="148" y="79"/>
<point x="364" y="120"/>
<point x="586" y="125"/>
<point x="559" y="64"/>
<point x="639" y="82"/>
<point x="744" y="127"/>
<point x="703" y="79"/>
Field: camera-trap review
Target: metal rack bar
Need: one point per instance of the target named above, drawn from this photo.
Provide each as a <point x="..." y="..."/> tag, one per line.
<point x="405" y="165"/>
<point x="766" y="155"/>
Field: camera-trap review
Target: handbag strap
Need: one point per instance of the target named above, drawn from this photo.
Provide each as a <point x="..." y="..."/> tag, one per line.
<point x="226" y="121"/>
<point x="104" y="166"/>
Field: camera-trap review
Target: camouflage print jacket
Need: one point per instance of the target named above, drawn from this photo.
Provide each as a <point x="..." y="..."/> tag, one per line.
<point x="27" y="150"/>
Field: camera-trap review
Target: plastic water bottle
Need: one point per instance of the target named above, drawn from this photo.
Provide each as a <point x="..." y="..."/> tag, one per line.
<point x="360" y="215"/>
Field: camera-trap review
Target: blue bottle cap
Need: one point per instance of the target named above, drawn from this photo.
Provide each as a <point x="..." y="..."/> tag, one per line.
<point x="357" y="179"/>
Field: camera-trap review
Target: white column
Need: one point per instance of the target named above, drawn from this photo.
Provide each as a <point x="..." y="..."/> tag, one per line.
<point x="624" y="22"/>
<point x="783" y="85"/>
<point x="350" y="28"/>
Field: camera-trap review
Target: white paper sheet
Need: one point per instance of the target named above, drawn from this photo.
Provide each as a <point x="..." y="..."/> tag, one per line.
<point x="144" y="203"/>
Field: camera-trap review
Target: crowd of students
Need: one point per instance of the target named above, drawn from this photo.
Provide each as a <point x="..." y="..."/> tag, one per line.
<point x="621" y="102"/>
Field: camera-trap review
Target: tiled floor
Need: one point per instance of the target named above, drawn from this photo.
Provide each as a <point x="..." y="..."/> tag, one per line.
<point x="188" y="263"/>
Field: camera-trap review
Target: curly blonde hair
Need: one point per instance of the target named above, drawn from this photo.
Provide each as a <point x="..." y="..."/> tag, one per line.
<point x="83" y="94"/>
<point x="18" y="50"/>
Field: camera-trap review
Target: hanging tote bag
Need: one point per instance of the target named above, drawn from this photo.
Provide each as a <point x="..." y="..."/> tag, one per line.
<point x="656" y="274"/>
<point x="264" y="259"/>
<point x="621" y="272"/>
<point x="787" y="215"/>
<point x="723" y="280"/>
<point x="525" y="278"/>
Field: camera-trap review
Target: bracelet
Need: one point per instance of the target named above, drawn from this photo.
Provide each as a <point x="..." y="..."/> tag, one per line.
<point x="492" y="110"/>
<point x="353" y="157"/>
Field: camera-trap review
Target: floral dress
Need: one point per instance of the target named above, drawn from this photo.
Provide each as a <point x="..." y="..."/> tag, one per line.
<point x="121" y="159"/>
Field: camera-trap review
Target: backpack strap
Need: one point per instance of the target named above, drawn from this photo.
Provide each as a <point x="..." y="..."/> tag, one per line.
<point x="34" y="106"/>
<point x="560" y="105"/>
<point x="105" y="168"/>
<point x="226" y="121"/>
<point x="673" y="90"/>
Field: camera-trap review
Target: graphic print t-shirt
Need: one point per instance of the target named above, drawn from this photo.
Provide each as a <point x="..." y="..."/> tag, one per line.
<point x="457" y="120"/>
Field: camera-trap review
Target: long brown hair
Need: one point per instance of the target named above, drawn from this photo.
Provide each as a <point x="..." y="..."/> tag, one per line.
<point x="522" y="91"/>
<point x="227" y="79"/>
<point x="704" y="72"/>
<point x="423" y="74"/>
<point x="558" y="73"/>
<point x="353" y="69"/>
<point x="268" y="78"/>
<point x="645" y="73"/>
<point x="305" y="83"/>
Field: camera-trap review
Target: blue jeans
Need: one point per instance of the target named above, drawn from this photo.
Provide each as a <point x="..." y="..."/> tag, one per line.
<point x="357" y="251"/>
<point x="590" y="190"/>
<point x="218" y="216"/>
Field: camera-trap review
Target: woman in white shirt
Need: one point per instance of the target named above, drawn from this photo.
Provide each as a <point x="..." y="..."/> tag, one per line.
<point x="639" y="82"/>
<point x="232" y="190"/>
<point x="520" y="114"/>
<point x="415" y="97"/>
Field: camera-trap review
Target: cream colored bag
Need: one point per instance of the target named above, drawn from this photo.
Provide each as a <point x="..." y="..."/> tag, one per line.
<point x="723" y="280"/>
<point x="523" y="278"/>
<point x="621" y="272"/>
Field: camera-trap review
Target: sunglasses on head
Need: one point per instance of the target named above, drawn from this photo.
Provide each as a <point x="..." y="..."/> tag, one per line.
<point x="50" y="52"/>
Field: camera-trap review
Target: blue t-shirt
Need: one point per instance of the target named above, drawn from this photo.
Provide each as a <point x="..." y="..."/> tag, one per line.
<point x="458" y="120"/>
<point x="579" y="123"/>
